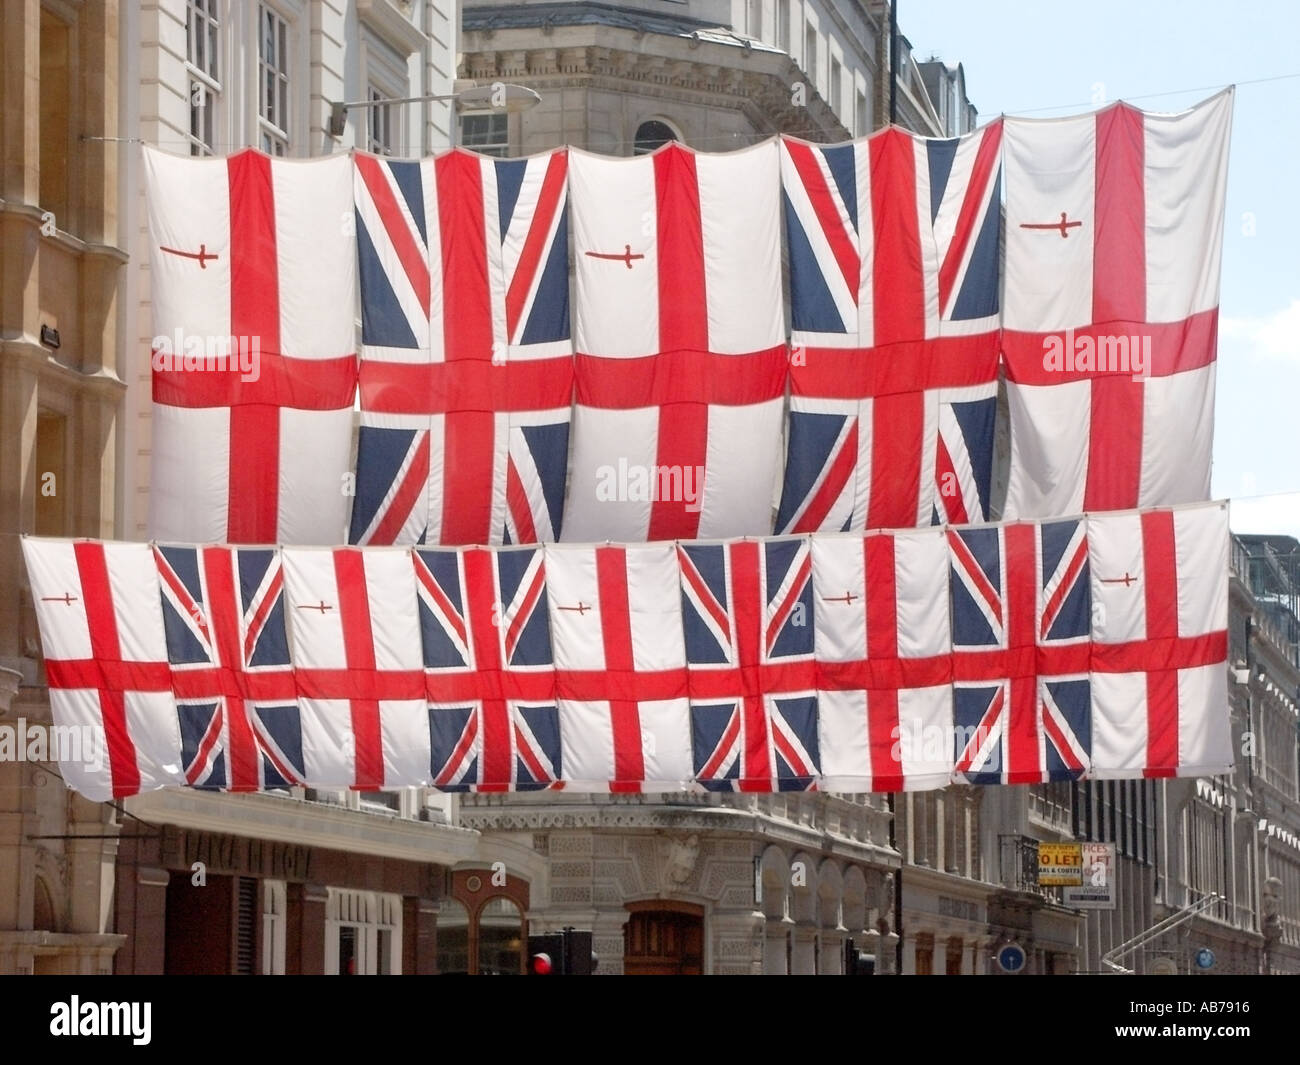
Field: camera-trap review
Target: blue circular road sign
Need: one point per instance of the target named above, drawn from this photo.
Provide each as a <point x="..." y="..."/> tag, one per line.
<point x="1011" y="958"/>
<point x="1205" y="958"/>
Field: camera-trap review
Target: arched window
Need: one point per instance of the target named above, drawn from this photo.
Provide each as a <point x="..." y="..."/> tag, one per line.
<point x="651" y="135"/>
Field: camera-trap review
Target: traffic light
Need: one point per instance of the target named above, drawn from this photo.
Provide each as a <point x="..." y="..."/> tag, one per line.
<point x="546" y="955"/>
<point x="566" y="953"/>
<point x="858" y="962"/>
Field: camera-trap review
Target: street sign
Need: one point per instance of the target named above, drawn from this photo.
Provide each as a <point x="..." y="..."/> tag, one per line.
<point x="1205" y="958"/>
<point x="1011" y="958"/>
<point x="1060" y="863"/>
<point x="1097" y="892"/>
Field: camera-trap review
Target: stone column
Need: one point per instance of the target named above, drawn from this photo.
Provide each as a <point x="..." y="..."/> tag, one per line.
<point x="803" y="961"/>
<point x="142" y="918"/>
<point x="419" y="936"/>
<point x="304" y="939"/>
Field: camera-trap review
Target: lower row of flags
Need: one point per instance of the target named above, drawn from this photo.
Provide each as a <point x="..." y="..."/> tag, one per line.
<point x="1024" y="652"/>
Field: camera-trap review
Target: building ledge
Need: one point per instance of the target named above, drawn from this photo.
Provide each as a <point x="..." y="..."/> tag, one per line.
<point x="61" y="237"/>
<point x="311" y="824"/>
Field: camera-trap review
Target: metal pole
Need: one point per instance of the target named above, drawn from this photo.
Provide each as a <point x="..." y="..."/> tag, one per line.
<point x="893" y="62"/>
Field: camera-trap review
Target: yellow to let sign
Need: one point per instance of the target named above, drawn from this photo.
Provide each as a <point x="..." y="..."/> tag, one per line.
<point x="1060" y="863"/>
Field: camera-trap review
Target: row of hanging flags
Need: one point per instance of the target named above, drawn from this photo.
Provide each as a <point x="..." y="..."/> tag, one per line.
<point x="664" y="401"/>
<point x="1010" y="653"/>
<point x="470" y="640"/>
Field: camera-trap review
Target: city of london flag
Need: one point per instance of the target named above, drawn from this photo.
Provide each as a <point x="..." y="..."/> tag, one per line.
<point x="1114" y="229"/>
<point x="679" y="334"/>
<point x="253" y="265"/>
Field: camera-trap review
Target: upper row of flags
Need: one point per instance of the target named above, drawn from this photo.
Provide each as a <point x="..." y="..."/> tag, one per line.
<point x="1079" y="258"/>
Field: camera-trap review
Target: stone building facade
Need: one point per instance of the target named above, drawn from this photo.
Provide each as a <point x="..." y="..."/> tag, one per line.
<point x="699" y="883"/>
<point x="62" y="267"/>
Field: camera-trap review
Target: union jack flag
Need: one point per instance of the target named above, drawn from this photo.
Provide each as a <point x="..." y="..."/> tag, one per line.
<point x="747" y="618"/>
<point x="490" y="675"/>
<point x="236" y="699"/>
<point x="466" y="360"/>
<point x="894" y="299"/>
<point x="1021" y="624"/>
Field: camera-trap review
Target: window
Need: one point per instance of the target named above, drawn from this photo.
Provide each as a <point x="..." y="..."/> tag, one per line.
<point x="273" y="82"/>
<point x="363" y="933"/>
<point x="380" y="138"/>
<point x="925" y="954"/>
<point x="500" y="937"/>
<point x="783" y="25"/>
<point x="486" y="133"/>
<point x="754" y="18"/>
<point x="953" y="961"/>
<point x="202" y="63"/>
<point x="810" y="53"/>
<point x="651" y="135"/>
<point x="453" y="938"/>
<point x="245" y="926"/>
<point x="861" y="116"/>
<point x="273" y="915"/>
<point x="837" y="76"/>
<point x="1052" y="804"/>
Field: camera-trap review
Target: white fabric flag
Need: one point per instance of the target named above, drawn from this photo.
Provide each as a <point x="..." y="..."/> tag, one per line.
<point x="1114" y="235"/>
<point x="253" y="266"/>
<point x="616" y="631"/>
<point x="679" y="330"/>
<point x="100" y="615"/>
<point x="1160" y="619"/>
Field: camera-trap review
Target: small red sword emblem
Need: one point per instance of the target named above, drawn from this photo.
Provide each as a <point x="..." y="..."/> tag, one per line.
<point x="202" y="255"/>
<point x="322" y="606"/>
<point x="1125" y="580"/>
<point x="847" y="597"/>
<point x="1063" y="226"/>
<point x="581" y="608"/>
<point x="626" y="257"/>
<point x="67" y="599"/>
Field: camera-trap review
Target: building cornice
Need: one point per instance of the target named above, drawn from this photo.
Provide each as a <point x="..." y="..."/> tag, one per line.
<point x="27" y="349"/>
<point x="761" y="84"/>
<point x="384" y="18"/>
<point x="86" y="249"/>
<point x="288" y="820"/>
<point x="715" y="819"/>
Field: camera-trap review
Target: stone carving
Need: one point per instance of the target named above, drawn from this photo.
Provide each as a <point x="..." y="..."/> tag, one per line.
<point x="678" y="855"/>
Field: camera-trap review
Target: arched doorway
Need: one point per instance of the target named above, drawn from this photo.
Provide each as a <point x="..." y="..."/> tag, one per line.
<point x="664" y="938"/>
<point x="651" y="135"/>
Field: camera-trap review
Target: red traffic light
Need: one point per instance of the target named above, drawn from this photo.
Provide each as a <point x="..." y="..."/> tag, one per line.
<point x="540" y="965"/>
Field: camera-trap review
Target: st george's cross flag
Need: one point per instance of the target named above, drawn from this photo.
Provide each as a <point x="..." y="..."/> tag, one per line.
<point x="356" y="647"/>
<point x="466" y="362"/>
<point x="893" y="245"/>
<point x="492" y="720"/>
<point x="747" y="609"/>
<point x="252" y="263"/>
<point x="234" y="682"/>
<point x="884" y="663"/>
<point x="1114" y="229"/>
<point x="1160" y="594"/>
<point x="101" y="625"/>
<point x="679" y="333"/>
<point x="1021" y="629"/>
<point x="620" y="657"/>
